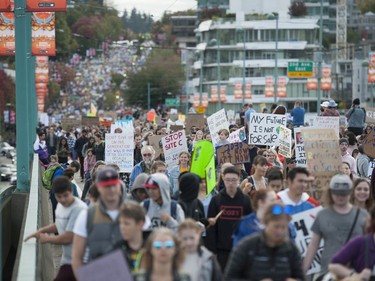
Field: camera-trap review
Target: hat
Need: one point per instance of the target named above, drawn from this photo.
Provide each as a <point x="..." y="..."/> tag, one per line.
<point x="139" y="181"/>
<point x="342" y="140"/>
<point x="356" y="101"/>
<point x="107" y="177"/>
<point x="151" y="183"/>
<point x="341" y="185"/>
<point x="324" y="104"/>
<point x="332" y="103"/>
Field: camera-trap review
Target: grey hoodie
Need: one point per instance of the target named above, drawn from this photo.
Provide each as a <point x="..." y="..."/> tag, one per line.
<point x="154" y="208"/>
<point x="362" y="164"/>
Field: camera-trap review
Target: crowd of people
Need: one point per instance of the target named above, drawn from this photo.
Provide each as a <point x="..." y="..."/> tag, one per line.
<point x="169" y="227"/>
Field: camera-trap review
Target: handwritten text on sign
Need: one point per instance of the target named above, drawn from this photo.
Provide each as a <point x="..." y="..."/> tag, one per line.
<point x="173" y="144"/>
<point x="325" y="122"/>
<point x="234" y="153"/>
<point x="216" y="122"/>
<point x="299" y="148"/>
<point x="119" y="149"/>
<point x="285" y="139"/>
<point x="238" y="135"/>
<point x="303" y="222"/>
<point x="263" y="128"/>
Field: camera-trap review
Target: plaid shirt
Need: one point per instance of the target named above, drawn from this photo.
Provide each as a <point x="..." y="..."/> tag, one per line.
<point x="71" y="142"/>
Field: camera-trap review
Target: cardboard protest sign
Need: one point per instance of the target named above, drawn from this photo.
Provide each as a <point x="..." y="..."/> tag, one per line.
<point x="262" y="128"/>
<point x="154" y="141"/>
<point x="109" y="267"/>
<point x="234" y="153"/>
<point x="299" y="148"/>
<point x="369" y="144"/>
<point x="370" y="115"/>
<point x="371" y="166"/>
<point x="196" y="120"/>
<point x="303" y="222"/>
<point x="173" y="144"/>
<point x="326" y="122"/>
<point x="319" y="184"/>
<point x="119" y="149"/>
<point x="176" y="128"/>
<point x="201" y="161"/>
<point x="285" y="142"/>
<point x="238" y="135"/>
<point x="322" y="154"/>
<point x="90" y="121"/>
<point x="216" y="122"/>
<point x="68" y="123"/>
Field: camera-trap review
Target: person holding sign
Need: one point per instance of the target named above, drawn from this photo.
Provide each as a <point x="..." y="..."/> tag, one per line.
<point x="268" y="255"/>
<point x="257" y="181"/>
<point x="337" y="223"/>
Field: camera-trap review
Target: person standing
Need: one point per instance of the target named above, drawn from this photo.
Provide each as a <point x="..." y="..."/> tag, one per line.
<point x="63" y="151"/>
<point x="363" y="162"/>
<point x="41" y="149"/>
<point x="356" y="118"/>
<point x="148" y="156"/>
<point x="182" y="167"/>
<point x="346" y="157"/>
<point x="242" y="114"/>
<point x="99" y="147"/>
<point x="78" y="146"/>
<point x="248" y="112"/>
<point x="51" y="140"/>
<point x="224" y="211"/>
<point x="298" y="114"/>
<point x="331" y="110"/>
<point x="137" y="148"/>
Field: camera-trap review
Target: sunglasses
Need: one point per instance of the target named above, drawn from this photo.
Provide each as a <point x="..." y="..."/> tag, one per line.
<point x="278" y="210"/>
<point x="169" y="244"/>
<point x="147" y="155"/>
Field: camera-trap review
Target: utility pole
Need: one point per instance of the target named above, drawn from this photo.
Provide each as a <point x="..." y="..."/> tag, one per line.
<point x="320" y="58"/>
<point x="148" y="96"/>
<point x="276" y="59"/>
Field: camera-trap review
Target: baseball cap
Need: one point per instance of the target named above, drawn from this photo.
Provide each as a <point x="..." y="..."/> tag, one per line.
<point x="151" y="183"/>
<point x="341" y="185"/>
<point x="107" y="177"/>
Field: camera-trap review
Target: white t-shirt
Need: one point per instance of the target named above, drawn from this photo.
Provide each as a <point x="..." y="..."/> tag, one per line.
<point x="65" y="221"/>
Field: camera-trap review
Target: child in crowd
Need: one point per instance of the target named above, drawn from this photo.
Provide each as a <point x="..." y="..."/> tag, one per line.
<point x="89" y="163"/>
<point x="223" y="136"/>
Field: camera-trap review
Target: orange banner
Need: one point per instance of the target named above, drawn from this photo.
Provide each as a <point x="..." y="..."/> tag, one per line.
<point x="312" y="84"/>
<point x="223" y="90"/>
<point x="5" y="6"/>
<point x="196" y="100"/>
<point x="371" y="68"/>
<point x="238" y="91"/>
<point x="281" y="87"/>
<point x="269" y="87"/>
<point x="41" y="86"/>
<point x="248" y="91"/>
<point x="41" y="78"/>
<point x="214" y="95"/>
<point x="41" y="107"/>
<point x="326" y="82"/>
<point x="205" y="100"/>
<point x="43" y="34"/>
<point x="7" y="34"/>
<point x="45" y="5"/>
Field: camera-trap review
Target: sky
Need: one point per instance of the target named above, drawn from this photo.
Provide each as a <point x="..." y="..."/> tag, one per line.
<point x="153" y="7"/>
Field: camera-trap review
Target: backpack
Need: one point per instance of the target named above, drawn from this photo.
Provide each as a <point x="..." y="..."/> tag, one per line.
<point x="47" y="176"/>
<point x="146" y="205"/>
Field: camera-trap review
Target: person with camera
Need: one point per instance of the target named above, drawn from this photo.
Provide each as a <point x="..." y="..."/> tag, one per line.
<point x="356" y="117"/>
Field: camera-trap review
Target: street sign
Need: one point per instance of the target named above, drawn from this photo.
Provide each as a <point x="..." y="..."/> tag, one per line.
<point x="302" y="69"/>
<point x="172" y="102"/>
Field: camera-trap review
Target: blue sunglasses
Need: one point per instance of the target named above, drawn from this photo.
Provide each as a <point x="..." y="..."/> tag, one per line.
<point x="169" y="244"/>
<point x="278" y="210"/>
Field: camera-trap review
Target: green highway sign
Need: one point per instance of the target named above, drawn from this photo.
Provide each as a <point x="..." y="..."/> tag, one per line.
<point x="302" y="69"/>
<point x="172" y="102"/>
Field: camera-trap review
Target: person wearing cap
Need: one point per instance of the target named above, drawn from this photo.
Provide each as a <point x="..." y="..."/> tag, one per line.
<point x="346" y="157"/>
<point x="148" y="157"/>
<point x="323" y="107"/>
<point x="97" y="228"/>
<point x="356" y="118"/>
<point x="160" y="208"/>
<point x="298" y="114"/>
<point x="337" y="223"/>
<point x="139" y="192"/>
<point x="331" y="110"/>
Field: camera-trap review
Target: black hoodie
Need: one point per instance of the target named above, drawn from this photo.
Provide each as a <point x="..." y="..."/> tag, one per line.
<point x="219" y="236"/>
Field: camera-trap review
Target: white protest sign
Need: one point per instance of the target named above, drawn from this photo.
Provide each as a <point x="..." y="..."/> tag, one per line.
<point x="285" y="142"/>
<point x="324" y="122"/>
<point x="237" y="136"/>
<point x="216" y="122"/>
<point x="262" y="129"/>
<point x="119" y="149"/>
<point x="173" y="144"/>
<point x="303" y="222"/>
<point x="231" y="116"/>
<point x="299" y="148"/>
<point x="371" y="166"/>
<point x="123" y="125"/>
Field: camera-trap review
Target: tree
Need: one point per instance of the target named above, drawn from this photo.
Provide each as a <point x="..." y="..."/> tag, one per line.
<point x="366" y="6"/>
<point x="65" y="42"/>
<point x="164" y="72"/>
<point x="297" y="9"/>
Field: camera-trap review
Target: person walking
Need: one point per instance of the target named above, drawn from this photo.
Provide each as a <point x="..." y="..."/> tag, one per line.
<point x="78" y="146"/>
<point x="356" y="118"/>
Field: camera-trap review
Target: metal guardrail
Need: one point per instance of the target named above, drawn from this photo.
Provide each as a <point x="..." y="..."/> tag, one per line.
<point x="27" y="269"/>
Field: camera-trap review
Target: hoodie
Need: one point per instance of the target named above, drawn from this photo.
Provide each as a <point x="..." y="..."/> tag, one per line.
<point x="363" y="162"/>
<point x="161" y="181"/>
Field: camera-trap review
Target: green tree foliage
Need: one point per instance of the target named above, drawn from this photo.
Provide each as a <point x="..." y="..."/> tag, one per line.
<point x="65" y="42"/>
<point x="353" y="36"/>
<point x="7" y="90"/>
<point x="117" y="79"/>
<point x="137" y="22"/>
<point x="164" y="72"/>
<point x="297" y="9"/>
<point x="366" y="6"/>
<point x="53" y="93"/>
<point x="110" y="101"/>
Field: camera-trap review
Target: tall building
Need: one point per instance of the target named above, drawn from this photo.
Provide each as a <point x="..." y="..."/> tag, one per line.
<point x="183" y="30"/>
<point x="248" y="47"/>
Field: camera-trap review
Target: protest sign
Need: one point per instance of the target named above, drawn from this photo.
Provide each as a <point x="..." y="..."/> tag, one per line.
<point x="319" y="184"/>
<point x="201" y="161"/>
<point x="262" y="129"/>
<point x="173" y="144"/>
<point x="234" y="153"/>
<point x="303" y="222"/>
<point x="369" y="144"/>
<point x="370" y="115"/>
<point x="325" y="122"/>
<point x="371" y="166"/>
<point x="299" y="148"/>
<point x="176" y="128"/>
<point x="68" y="123"/>
<point x="119" y="149"/>
<point x="154" y="141"/>
<point x="90" y="121"/>
<point x="109" y="267"/>
<point x="231" y="116"/>
<point x="237" y="136"/>
<point x="322" y="154"/>
<point x="123" y="125"/>
<point x="285" y="141"/>
<point x="216" y="122"/>
<point x="196" y="120"/>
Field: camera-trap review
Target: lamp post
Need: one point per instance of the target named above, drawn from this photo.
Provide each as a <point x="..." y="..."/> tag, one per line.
<point x="243" y="64"/>
<point x="216" y="42"/>
<point x="319" y="69"/>
<point x="276" y="58"/>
